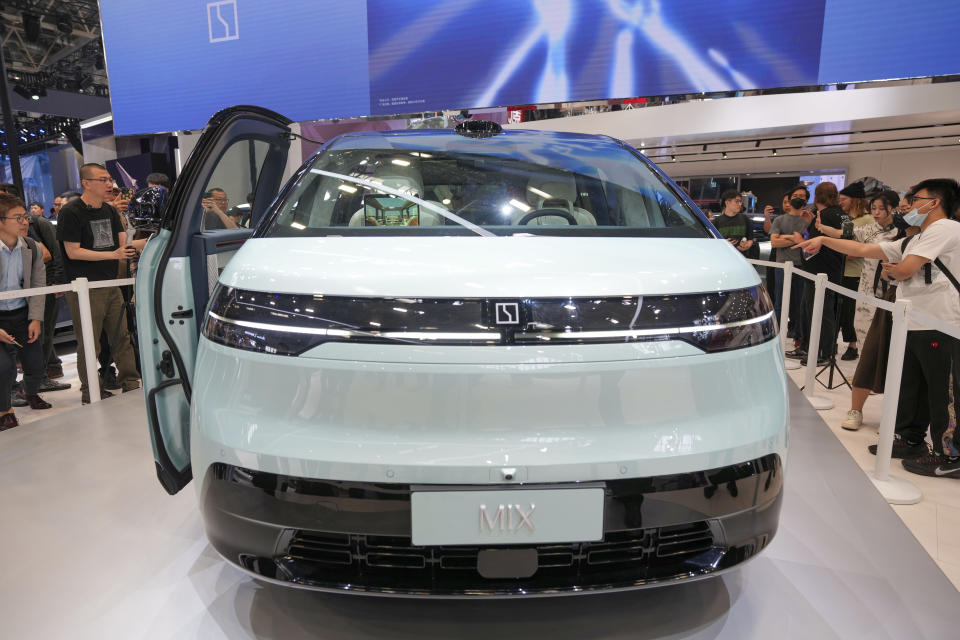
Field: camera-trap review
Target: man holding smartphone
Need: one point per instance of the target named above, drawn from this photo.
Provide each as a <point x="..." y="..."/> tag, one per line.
<point x="93" y="240"/>
<point x="732" y="224"/>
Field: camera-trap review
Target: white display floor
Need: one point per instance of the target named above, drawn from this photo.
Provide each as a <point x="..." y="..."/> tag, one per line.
<point x="94" y="548"/>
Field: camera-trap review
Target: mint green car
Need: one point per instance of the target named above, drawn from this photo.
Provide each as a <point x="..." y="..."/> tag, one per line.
<point x="458" y="363"/>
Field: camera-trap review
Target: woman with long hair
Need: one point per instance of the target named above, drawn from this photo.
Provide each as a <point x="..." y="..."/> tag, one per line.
<point x="854" y="204"/>
<point x="872" y="368"/>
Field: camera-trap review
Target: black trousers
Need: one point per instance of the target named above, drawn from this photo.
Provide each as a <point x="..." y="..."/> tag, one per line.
<point x="31" y="357"/>
<point x="930" y="390"/>
<point x="828" y="328"/>
<point x="51" y="306"/>
<point x="848" y="307"/>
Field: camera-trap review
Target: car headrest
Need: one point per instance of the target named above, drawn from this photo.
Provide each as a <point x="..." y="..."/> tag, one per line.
<point x="537" y="192"/>
<point x="405" y="179"/>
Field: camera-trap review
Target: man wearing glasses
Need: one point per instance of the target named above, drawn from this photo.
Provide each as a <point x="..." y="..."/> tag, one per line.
<point x="927" y="266"/>
<point x="21" y="319"/>
<point x="215" y="204"/>
<point x="93" y="240"/>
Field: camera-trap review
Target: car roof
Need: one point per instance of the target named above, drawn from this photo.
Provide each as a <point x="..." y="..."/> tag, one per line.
<point x="444" y="138"/>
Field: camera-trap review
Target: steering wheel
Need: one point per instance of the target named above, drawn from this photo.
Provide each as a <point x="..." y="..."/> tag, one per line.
<point x="542" y="213"/>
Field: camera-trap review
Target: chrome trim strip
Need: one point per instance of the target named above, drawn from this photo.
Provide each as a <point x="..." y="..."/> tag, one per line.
<point x="427" y="335"/>
<point x="340" y="333"/>
<point x="489" y="335"/>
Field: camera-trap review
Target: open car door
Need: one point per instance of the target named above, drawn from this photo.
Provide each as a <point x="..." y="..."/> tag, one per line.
<point x="234" y="173"/>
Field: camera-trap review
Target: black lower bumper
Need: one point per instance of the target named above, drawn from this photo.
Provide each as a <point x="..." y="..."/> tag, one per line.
<point x="354" y="536"/>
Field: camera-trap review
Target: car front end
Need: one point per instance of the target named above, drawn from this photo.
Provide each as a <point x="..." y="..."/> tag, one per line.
<point x="501" y="411"/>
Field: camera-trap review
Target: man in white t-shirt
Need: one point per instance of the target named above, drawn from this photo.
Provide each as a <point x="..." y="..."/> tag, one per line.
<point x="928" y="268"/>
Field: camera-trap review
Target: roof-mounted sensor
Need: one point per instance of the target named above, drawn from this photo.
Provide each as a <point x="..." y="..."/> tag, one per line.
<point x="478" y="129"/>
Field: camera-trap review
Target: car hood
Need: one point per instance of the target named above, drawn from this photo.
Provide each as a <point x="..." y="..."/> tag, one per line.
<point x="524" y="266"/>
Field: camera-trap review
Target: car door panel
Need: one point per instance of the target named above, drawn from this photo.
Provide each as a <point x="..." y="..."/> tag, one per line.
<point x="173" y="281"/>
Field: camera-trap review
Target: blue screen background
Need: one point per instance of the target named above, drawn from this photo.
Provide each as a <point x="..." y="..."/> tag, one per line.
<point x="885" y="39"/>
<point x="515" y="52"/>
<point x="306" y="59"/>
<point x="316" y="59"/>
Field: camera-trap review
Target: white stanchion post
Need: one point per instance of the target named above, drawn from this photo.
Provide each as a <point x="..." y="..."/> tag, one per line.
<point x="82" y="287"/>
<point x="895" y="490"/>
<point x="785" y="299"/>
<point x="785" y="311"/>
<point x="813" y="347"/>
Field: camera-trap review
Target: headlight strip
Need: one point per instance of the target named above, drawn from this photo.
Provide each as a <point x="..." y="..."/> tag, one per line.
<point x="296" y="337"/>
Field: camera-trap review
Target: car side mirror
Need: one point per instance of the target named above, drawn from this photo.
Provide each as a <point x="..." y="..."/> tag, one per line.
<point x="146" y="208"/>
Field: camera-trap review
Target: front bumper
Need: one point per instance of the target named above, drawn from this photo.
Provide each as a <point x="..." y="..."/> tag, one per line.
<point x="355" y="536"/>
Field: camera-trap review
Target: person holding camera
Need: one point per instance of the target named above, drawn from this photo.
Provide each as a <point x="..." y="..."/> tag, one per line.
<point x="927" y="267"/>
<point x="215" y="204"/>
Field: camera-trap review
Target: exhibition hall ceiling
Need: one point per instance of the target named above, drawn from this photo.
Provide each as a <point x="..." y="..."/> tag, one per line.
<point x="55" y="68"/>
<point x="54" y="44"/>
<point x="730" y="134"/>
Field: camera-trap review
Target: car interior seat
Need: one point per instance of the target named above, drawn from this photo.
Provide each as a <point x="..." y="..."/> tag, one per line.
<point x="639" y="210"/>
<point x="551" y="193"/>
<point x="405" y="180"/>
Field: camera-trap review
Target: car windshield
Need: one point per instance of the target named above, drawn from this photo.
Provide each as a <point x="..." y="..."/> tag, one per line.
<point x="440" y="183"/>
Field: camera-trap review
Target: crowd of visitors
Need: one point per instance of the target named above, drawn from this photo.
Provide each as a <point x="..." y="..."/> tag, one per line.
<point x="878" y="245"/>
<point x="83" y="235"/>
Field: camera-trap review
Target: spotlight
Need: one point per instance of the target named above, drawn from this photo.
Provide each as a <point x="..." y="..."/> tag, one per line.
<point x="724" y="156"/>
<point x="37" y="93"/>
<point x="673" y="158"/>
<point x="757" y="144"/>
<point x="31" y="26"/>
<point x="774" y="152"/>
<point x="704" y="147"/>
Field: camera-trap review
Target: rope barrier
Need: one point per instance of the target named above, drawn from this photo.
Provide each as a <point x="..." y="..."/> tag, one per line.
<point x="63" y="288"/>
<point x="82" y="288"/>
<point x="895" y="490"/>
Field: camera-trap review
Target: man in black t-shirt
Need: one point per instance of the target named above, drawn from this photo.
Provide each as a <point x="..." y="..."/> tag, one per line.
<point x="828" y="213"/>
<point x="92" y="241"/>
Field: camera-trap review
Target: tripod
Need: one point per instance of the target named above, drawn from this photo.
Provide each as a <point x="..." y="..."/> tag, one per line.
<point x="832" y="365"/>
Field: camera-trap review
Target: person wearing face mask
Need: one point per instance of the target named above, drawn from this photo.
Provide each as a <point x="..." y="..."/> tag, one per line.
<point x="828" y="214"/>
<point x="927" y="267"/>
<point x="786" y="231"/>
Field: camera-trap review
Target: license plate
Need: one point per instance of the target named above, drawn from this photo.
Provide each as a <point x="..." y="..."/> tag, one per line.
<point x="499" y="517"/>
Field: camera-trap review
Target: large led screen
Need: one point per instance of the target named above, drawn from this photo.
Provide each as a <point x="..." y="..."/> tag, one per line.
<point x="173" y="65"/>
<point x="513" y="52"/>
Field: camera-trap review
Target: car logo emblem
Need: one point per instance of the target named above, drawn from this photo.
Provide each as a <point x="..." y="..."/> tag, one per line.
<point x="507" y="312"/>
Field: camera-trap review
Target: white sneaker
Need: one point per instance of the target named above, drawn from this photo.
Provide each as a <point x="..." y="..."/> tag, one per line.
<point x="854" y="420"/>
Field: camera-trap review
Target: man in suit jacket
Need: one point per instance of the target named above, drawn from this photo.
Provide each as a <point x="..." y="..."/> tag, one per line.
<point x="21" y="319"/>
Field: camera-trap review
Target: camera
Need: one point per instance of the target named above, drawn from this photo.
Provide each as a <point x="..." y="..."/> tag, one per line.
<point x="898" y="221"/>
<point x="846" y="229"/>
